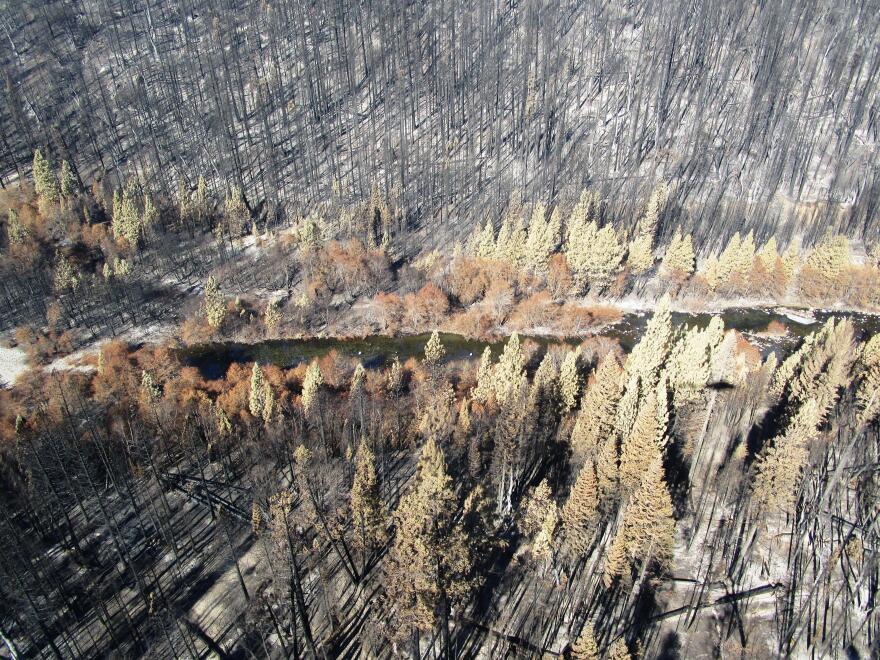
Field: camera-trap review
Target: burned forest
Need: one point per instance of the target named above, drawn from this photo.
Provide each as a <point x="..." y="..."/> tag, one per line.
<point x="435" y="330"/>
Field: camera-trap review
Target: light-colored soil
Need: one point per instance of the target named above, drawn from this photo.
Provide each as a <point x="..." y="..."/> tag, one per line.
<point x="13" y="363"/>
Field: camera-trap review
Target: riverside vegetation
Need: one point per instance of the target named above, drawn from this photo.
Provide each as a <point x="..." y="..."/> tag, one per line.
<point x="570" y="498"/>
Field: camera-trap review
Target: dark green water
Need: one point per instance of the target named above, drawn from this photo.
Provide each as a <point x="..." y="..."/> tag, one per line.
<point x="378" y="350"/>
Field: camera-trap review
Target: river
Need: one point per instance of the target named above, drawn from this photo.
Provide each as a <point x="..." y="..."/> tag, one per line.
<point x="374" y="351"/>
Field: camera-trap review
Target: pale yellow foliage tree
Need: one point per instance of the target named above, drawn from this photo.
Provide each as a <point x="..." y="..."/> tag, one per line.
<point x="485" y="387"/>
<point x="66" y="276"/>
<point x="643" y="446"/>
<point x="649" y="355"/>
<point x="429" y="566"/>
<point x="483" y="244"/>
<point x="569" y="381"/>
<point x="647" y="531"/>
<point x="679" y="260"/>
<point x="311" y="390"/>
<point x="543" y="238"/>
<point x="596" y="417"/>
<point x="581" y="511"/>
<point x="640" y="255"/>
<point x="45" y="183"/>
<point x="535" y="509"/>
<point x="235" y="213"/>
<point x="272" y="317"/>
<point x="585" y="647"/>
<point x="256" y="397"/>
<point x="368" y="511"/>
<point x="509" y="374"/>
<point x="215" y="303"/>
<point x="779" y="467"/>
<point x="619" y="651"/>
<point x="829" y="258"/>
<point x="434" y="350"/>
<point x="868" y="389"/>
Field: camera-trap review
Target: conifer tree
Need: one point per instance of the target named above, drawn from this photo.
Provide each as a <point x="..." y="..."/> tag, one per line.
<point x="509" y="374"/>
<point x="437" y="416"/>
<point x="543" y="238"/>
<point x="434" y="351"/>
<point x="679" y="260"/>
<point x="779" y="466"/>
<point x="514" y="248"/>
<point x="224" y="425"/>
<point x="150" y="216"/>
<point x="596" y="256"/>
<point x="485" y="387"/>
<point x="66" y="276"/>
<point x="689" y="367"/>
<point x="536" y="508"/>
<point x="868" y="389"/>
<point x="148" y="386"/>
<point x="256" y="398"/>
<point x="711" y="271"/>
<point x="484" y="245"/>
<point x="184" y="203"/>
<point x="272" y="317"/>
<point x="581" y="214"/>
<point x="66" y="181"/>
<point x="126" y="222"/>
<point x="367" y="508"/>
<point x="569" y="381"/>
<point x="643" y="446"/>
<point x="258" y="522"/>
<point x="615" y="562"/>
<point x="581" y="511"/>
<point x="769" y="254"/>
<point x="357" y="393"/>
<point x="543" y="397"/>
<point x="544" y="545"/>
<point x="646" y="534"/>
<point x="430" y="565"/>
<point x="596" y="418"/>
<point x="16" y="232"/>
<point x="463" y="424"/>
<point x="585" y="647"/>
<point x="619" y="651"/>
<point x="236" y="213"/>
<point x="215" y="303"/>
<point x="651" y="352"/>
<point x="829" y="258"/>
<point x="791" y="262"/>
<point x="607" y="470"/>
<point x="268" y="401"/>
<point x="311" y="391"/>
<point x="649" y="222"/>
<point x="627" y="407"/>
<point x="648" y="523"/>
<point x="395" y="377"/>
<point x="640" y="255"/>
<point x="45" y="183"/>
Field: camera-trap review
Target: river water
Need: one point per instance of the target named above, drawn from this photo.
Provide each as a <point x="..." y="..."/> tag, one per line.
<point x="378" y="350"/>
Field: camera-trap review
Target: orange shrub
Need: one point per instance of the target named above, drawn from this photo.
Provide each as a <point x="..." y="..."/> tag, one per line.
<point x="468" y="279"/>
<point x="535" y="311"/>
<point x="426" y="308"/>
<point x="389" y="311"/>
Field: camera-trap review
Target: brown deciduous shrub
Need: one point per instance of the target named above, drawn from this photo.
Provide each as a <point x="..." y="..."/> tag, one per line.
<point x="468" y="279"/>
<point x="426" y="308"/>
